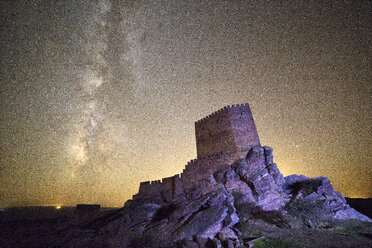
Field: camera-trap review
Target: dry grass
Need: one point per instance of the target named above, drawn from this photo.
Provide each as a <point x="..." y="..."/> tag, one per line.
<point x="341" y="234"/>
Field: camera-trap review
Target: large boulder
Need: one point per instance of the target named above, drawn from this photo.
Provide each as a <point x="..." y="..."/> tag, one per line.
<point x="314" y="201"/>
<point x="263" y="178"/>
<point x="163" y="226"/>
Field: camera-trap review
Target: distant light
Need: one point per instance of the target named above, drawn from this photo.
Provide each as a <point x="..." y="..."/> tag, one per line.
<point x="58" y="207"/>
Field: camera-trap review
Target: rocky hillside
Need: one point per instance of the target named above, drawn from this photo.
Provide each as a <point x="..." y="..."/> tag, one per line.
<point x="233" y="207"/>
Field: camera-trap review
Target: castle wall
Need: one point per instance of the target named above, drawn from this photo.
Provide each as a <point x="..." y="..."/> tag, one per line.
<point x="243" y="128"/>
<point x="149" y="188"/>
<point x="165" y="188"/>
<point x="230" y="129"/>
<point x="214" y="134"/>
<point x="221" y="138"/>
<point x="199" y="169"/>
<point x="195" y="170"/>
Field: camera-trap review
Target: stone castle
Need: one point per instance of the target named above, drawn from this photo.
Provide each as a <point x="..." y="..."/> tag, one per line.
<point x="230" y="129"/>
<point x="234" y="180"/>
<point x="221" y="138"/>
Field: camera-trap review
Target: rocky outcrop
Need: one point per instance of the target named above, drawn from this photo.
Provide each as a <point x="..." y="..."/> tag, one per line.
<point x="153" y="225"/>
<point x="205" y="214"/>
<point x="208" y="212"/>
<point x="263" y="178"/>
<point x="314" y="201"/>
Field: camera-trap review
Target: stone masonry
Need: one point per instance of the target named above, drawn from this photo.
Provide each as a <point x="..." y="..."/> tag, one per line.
<point x="221" y="138"/>
<point x="230" y="129"/>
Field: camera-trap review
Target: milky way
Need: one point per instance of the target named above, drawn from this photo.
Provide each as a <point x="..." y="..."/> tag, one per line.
<point x="97" y="96"/>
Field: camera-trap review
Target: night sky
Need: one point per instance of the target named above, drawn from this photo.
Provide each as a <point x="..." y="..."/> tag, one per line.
<point x="97" y="96"/>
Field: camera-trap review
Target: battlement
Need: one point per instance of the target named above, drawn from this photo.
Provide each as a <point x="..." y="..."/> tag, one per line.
<point x="221" y="138"/>
<point x="195" y="170"/>
<point x="166" y="187"/>
<point x="205" y="158"/>
<point x="230" y="129"/>
<point x="224" y="109"/>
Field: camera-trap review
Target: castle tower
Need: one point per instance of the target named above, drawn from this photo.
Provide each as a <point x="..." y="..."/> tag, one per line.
<point x="221" y="138"/>
<point x="230" y="129"/>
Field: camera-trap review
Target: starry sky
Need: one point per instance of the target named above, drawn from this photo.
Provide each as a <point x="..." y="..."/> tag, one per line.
<point x="97" y="96"/>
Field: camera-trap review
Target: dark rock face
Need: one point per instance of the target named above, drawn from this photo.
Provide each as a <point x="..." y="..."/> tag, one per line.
<point x="204" y="215"/>
<point x="86" y="212"/>
<point x="316" y="200"/>
<point x="262" y="177"/>
<point x="207" y="214"/>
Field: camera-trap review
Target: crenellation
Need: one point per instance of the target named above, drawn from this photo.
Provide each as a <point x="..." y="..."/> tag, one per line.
<point x="210" y="116"/>
<point x="221" y="137"/>
<point x="167" y="179"/>
<point x="231" y="130"/>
